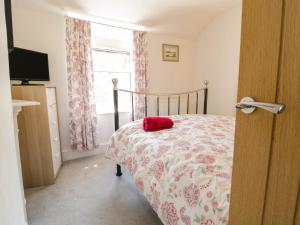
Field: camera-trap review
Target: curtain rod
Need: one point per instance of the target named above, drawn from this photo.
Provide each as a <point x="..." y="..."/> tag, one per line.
<point x="103" y="24"/>
<point x="81" y="17"/>
<point x="110" y="51"/>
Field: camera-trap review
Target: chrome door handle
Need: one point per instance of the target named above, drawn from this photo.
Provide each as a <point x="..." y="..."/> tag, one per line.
<point x="248" y="105"/>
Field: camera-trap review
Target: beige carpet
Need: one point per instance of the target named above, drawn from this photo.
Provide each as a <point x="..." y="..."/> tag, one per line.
<point x="87" y="192"/>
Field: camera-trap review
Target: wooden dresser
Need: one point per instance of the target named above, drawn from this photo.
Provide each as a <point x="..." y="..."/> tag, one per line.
<point x="38" y="136"/>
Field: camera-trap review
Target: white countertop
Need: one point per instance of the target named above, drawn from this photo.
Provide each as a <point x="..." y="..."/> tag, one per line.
<point x="21" y="103"/>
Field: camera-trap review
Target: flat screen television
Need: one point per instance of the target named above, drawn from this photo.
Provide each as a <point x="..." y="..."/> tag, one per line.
<point x="26" y="65"/>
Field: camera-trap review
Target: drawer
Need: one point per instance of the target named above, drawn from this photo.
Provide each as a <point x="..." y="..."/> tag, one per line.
<point x="53" y="124"/>
<point x="52" y="113"/>
<point x="56" y="155"/>
<point x="51" y="96"/>
<point x="54" y="136"/>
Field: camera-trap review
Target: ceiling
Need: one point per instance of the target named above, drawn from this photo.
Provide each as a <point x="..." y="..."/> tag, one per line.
<point x="181" y="18"/>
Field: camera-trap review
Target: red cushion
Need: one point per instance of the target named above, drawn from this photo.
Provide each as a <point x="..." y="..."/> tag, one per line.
<point x="157" y="123"/>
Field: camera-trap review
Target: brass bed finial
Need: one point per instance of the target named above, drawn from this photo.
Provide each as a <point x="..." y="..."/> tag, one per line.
<point x="115" y="83"/>
<point x="205" y="83"/>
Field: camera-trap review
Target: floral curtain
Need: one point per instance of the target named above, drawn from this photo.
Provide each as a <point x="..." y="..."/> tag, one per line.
<point x="140" y="71"/>
<point x="83" y="116"/>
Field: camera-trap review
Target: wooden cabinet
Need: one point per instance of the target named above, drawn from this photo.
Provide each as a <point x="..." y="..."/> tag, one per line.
<point x="38" y="136"/>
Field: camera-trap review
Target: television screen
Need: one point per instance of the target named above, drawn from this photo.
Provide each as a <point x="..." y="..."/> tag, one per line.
<point x="26" y="65"/>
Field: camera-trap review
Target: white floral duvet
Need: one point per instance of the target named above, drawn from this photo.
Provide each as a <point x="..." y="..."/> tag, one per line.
<point x="184" y="172"/>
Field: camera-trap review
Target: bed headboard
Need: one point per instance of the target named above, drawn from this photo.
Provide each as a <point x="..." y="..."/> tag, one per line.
<point x="116" y="90"/>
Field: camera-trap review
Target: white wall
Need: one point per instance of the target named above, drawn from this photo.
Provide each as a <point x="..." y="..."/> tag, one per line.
<point x="218" y="52"/>
<point x="166" y="76"/>
<point x="11" y="201"/>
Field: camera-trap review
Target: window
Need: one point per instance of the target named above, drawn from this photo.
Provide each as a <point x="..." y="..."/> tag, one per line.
<point x="111" y="49"/>
<point x="109" y="65"/>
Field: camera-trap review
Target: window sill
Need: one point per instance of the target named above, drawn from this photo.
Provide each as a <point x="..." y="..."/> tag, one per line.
<point x="110" y="113"/>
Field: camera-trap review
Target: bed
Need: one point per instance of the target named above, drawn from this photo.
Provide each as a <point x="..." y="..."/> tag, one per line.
<point x="184" y="172"/>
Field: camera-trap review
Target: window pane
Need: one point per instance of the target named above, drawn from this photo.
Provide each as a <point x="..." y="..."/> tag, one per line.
<point x="110" y="61"/>
<point x="104" y="92"/>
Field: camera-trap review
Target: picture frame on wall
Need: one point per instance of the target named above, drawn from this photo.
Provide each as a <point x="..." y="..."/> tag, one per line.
<point x="170" y="53"/>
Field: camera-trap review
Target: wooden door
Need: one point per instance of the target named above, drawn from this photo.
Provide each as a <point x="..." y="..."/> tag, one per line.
<point x="266" y="171"/>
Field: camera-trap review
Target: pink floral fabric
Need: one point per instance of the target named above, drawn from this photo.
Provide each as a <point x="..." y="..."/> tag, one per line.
<point x="184" y="172"/>
<point x="140" y="62"/>
<point x="83" y="116"/>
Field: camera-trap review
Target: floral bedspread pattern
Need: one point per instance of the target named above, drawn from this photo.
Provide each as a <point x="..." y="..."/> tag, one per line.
<point x="184" y="172"/>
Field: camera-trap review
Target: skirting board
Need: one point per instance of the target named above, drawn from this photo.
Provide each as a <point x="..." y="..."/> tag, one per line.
<point x="69" y="154"/>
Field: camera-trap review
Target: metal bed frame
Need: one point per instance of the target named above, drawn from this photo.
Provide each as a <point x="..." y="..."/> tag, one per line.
<point x="157" y="95"/>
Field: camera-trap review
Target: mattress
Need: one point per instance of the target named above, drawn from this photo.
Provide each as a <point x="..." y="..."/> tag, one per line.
<point x="184" y="172"/>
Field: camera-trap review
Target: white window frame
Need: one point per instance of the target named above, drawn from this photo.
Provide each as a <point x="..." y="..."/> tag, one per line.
<point x="109" y="72"/>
